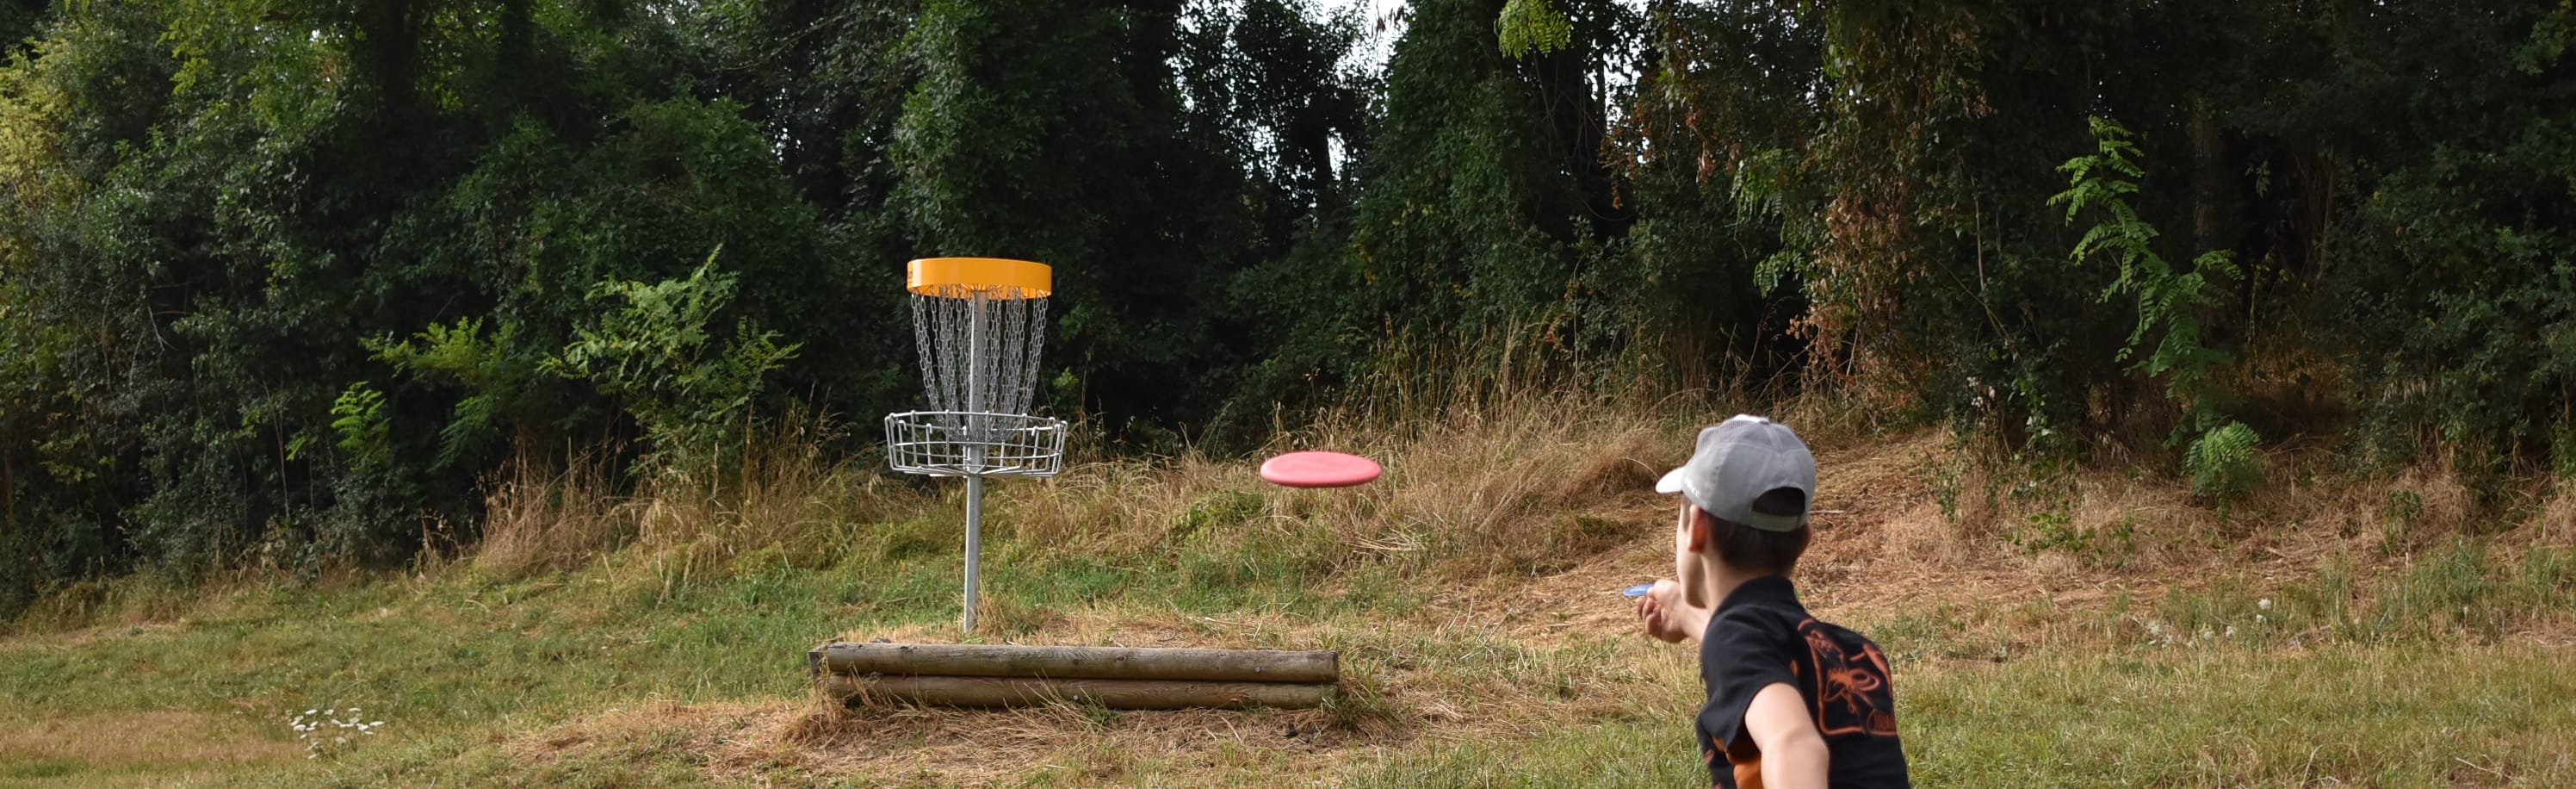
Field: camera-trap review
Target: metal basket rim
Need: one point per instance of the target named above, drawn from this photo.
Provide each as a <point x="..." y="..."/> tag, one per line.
<point x="1044" y="458"/>
<point x="1043" y="420"/>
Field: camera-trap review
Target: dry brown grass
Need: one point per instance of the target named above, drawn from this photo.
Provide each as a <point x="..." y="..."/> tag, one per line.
<point x="1515" y="525"/>
<point x="787" y="498"/>
<point x="794" y="742"/>
<point x="1507" y="530"/>
<point x="159" y="736"/>
<point x="1479" y="674"/>
<point x="2556" y="524"/>
<point x="790" y="494"/>
<point x="1120" y="509"/>
<point x="1513" y="491"/>
<point x="1521" y="490"/>
<point x="538" y="521"/>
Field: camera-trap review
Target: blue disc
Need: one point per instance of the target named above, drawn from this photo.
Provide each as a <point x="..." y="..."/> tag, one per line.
<point x="1639" y="590"/>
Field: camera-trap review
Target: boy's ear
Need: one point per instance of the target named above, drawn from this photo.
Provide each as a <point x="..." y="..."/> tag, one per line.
<point x="1702" y="526"/>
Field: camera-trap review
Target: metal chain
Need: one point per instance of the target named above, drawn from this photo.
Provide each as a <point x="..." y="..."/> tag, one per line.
<point x="998" y="378"/>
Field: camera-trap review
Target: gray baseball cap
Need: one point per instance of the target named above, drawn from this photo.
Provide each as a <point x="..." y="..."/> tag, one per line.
<point x="1739" y="460"/>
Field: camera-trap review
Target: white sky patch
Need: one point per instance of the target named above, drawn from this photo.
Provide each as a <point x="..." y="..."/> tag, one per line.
<point x="1381" y="23"/>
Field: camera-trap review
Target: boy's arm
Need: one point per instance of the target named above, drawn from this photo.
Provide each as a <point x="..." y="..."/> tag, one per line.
<point x="1668" y="617"/>
<point x="1793" y="754"/>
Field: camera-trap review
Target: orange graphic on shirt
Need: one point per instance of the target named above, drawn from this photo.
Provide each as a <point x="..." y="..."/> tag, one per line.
<point x="1852" y="695"/>
<point x="1745" y="764"/>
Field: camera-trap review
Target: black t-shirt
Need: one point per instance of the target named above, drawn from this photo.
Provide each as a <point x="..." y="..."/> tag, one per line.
<point x="1761" y="635"/>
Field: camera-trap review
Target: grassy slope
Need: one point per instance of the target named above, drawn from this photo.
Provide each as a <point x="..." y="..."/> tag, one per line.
<point x="2142" y="642"/>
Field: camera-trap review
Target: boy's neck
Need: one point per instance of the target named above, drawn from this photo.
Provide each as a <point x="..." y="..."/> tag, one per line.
<point x="1723" y="580"/>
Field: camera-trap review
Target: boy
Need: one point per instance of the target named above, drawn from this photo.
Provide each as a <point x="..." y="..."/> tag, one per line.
<point x="1793" y="702"/>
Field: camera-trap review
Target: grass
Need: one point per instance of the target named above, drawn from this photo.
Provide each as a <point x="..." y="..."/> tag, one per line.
<point x="659" y="640"/>
<point x="2229" y="717"/>
<point x="2249" y="716"/>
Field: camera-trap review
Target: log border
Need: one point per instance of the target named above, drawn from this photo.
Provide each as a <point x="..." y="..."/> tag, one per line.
<point x="1007" y="675"/>
<point x="1125" y="694"/>
<point x="1063" y="662"/>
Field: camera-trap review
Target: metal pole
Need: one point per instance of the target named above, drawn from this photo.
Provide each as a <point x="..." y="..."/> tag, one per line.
<point x="974" y="542"/>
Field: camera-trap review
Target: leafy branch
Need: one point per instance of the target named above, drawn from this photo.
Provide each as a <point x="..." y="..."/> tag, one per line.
<point x="2168" y="299"/>
<point x="1529" y="27"/>
<point x="2222" y="459"/>
<point x="655" y="353"/>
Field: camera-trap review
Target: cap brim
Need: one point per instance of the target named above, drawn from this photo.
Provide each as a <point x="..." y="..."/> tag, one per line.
<point x="1672" y="481"/>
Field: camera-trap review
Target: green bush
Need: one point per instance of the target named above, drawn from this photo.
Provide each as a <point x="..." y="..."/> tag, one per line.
<point x="654" y="350"/>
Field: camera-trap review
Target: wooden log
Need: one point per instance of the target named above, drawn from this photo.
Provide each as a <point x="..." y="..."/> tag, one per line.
<point x="993" y="660"/>
<point x="1123" y="694"/>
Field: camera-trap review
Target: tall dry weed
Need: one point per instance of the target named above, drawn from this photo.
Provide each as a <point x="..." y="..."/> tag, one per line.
<point x="2427" y="502"/>
<point x="2556" y="524"/>
<point x="538" y="520"/>
<point x="1507" y="486"/>
<point x="792" y="497"/>
<point x="1481" y="480"/>
<point x="1503" y="487"/>
<point x="788" y="497"/>
<point x="1125" y="509"/>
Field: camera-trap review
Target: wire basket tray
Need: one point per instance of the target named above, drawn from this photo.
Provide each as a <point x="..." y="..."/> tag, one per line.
<point x="974" y="444"/>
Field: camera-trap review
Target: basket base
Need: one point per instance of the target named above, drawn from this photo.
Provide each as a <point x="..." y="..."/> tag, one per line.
<point x="974" y="444"/>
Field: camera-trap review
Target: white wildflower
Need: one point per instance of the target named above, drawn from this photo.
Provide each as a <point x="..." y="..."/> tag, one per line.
<point x="310" y="728"/>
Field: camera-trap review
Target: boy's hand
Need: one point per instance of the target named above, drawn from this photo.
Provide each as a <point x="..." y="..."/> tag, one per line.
<point x="1665" y="615"/>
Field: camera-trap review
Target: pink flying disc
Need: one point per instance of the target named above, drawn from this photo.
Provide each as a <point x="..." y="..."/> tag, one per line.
<point x="1319" y="470"/>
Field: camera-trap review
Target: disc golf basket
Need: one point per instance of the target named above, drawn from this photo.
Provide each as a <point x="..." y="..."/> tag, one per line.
<point x="980" y="323"/>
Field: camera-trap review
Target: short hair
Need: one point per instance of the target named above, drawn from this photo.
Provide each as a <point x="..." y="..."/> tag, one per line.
<point x="1762" y="550"/>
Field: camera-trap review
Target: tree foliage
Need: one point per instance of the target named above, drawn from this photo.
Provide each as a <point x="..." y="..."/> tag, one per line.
<point x="285" y="280"/>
